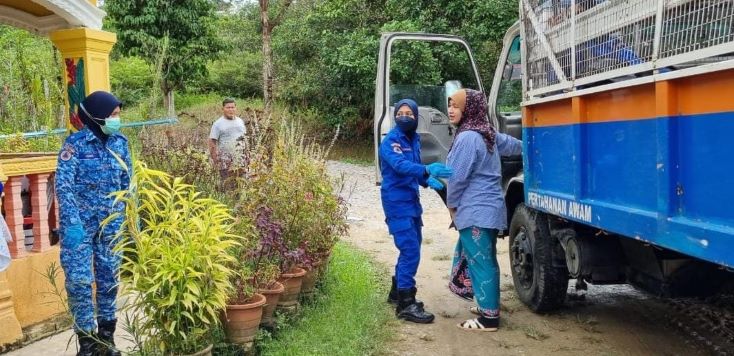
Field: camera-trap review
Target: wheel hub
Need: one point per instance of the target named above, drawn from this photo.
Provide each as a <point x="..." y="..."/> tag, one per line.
<point x="522" y="262"/>
<point x="573" y="262"/>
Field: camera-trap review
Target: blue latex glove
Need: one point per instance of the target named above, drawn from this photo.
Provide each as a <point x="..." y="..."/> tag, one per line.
<point x="435" y="183"/>
<point x="72" y="236"/>
<point x="439" y="170"/>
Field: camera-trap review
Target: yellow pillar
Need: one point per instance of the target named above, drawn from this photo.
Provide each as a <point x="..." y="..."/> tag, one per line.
<point x="86" y="56"/>
<point x="11" y="333"/>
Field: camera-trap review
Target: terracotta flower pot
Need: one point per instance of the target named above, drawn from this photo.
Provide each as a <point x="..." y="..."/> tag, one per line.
<point x="242" y="321"/>
<point x="308" y="286"/>
<point x="292" y="282"/>
<point x="205" y="352"/>
<point x="271" y="301"/>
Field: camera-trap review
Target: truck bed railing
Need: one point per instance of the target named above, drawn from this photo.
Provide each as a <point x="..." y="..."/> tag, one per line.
<point x="572" y="44"/>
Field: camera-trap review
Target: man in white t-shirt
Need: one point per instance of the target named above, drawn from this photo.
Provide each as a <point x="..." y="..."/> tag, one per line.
<point x="224" y="135"/>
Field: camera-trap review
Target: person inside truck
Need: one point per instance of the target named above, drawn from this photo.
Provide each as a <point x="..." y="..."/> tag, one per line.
<point x="477" y="205"/>
<point x="402" y="172"/>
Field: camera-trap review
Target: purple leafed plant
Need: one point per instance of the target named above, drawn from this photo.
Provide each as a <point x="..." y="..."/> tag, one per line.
<point x="273" y="247"/>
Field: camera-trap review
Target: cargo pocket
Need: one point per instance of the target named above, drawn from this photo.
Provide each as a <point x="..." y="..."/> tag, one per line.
<point x="396" y="225"/>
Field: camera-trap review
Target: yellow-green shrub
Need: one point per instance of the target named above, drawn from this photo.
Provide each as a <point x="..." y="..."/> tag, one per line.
<point x="176" y="264"/>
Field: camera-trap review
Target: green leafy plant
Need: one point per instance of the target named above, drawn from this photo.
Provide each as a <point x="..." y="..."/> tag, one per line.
<point x="16" y="143"/>
<point x="186" y="27"/>
<point x="285" y="173"/>
<point x="176" y="264"/>
<point x="31" y="94"/>
<point x="243" y="287"/>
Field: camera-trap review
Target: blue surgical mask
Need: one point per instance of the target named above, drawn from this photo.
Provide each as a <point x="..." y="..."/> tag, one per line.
<point x="406" y="124"/>
<point x="111" y="125"/>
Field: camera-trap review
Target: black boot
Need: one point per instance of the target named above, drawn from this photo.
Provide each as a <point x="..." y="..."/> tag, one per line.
<point x="409" y="309"/>
<point x="106" y="333"/>
<point x="392" y="297"/>
<point x="87" y="344"/>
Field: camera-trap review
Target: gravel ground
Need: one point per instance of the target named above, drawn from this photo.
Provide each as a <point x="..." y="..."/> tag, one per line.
<point x="612" y="320"/>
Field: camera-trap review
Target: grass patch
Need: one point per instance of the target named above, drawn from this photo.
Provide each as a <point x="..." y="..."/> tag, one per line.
<point x="347" y="317"/>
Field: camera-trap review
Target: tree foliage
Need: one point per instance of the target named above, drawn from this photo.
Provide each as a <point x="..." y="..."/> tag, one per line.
<point x="31" y="90"/>
<point x="326" y="51"/>
<point x="238" y="71"/>
<point x="186" y="26"/>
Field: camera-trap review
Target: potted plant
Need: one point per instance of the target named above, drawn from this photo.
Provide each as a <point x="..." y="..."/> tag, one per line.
<point x="178" y="279"/>
<point x="289" y="177"/>
<point x="264" y="262"/>
<point x="244" y="310"/>
<point x="274" y="256"/>
<point x="321" y="211"/>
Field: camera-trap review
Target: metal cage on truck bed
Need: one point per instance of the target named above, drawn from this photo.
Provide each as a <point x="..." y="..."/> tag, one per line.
<point x="612" y="39"/>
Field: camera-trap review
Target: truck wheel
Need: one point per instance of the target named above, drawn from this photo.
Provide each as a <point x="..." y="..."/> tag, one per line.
<point x="540" y="285"/>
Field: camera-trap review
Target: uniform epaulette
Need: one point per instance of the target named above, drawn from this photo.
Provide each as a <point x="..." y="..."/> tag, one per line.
<point x="76" y="136"/>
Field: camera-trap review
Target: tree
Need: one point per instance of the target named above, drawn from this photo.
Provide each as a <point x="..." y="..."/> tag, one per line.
<point x="327" y="50"/>
<point x="182" y="29"/>
<point x="267" y="29"/>
<point x="238" y="71"/>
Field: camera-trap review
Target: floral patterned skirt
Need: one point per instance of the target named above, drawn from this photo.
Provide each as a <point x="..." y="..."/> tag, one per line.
<point x="475" y="273"/>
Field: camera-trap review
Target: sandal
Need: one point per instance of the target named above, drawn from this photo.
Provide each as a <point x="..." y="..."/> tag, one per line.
<point x="475" y="325"/>
<point x="475" y="310"/>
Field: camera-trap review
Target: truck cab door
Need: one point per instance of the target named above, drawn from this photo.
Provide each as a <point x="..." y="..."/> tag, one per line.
<point x="505" y="97"/>
<point x="427" y="68"/>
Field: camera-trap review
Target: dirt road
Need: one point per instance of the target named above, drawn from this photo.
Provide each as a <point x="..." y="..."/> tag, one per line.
<point x="612" y="320"/>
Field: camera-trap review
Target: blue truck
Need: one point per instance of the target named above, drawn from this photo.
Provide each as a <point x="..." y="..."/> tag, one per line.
<point x="626" y="112"/>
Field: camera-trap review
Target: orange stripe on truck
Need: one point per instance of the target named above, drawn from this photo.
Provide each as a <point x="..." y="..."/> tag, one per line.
<point x="700" y="94"/>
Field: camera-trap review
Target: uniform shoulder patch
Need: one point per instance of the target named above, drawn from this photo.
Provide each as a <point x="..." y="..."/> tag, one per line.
<point x="396" y="148"/>
<point x="66" y="152"/>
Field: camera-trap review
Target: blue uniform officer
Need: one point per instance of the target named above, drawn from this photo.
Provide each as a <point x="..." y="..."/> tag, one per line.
<point x="93" y="163"/>
<point x="402" y="173"/>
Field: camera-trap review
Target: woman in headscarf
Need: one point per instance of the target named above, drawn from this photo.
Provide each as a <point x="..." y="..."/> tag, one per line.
<point x="402" y="172"/>
<point x="93" y="163"/>
<point x="477" y="204"/>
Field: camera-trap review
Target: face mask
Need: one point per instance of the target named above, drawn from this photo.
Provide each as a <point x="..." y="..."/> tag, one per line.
<point x="111" y="125"/>
<point x="406" y="124"/>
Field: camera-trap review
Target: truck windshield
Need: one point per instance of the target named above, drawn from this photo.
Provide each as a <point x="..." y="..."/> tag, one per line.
<point x="429" y="72"/>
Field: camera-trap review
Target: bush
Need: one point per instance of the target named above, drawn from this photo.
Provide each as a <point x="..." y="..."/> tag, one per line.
<point x="32" y="86"/>
<point x="132" y="79"/>
<point x="17" y="144"/>
<point x="175" y="245"/>
<point x="238" y="75"/>
<point x="282" y="170"/>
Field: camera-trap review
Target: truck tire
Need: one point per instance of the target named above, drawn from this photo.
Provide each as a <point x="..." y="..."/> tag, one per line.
<point x="538" y="283"/>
